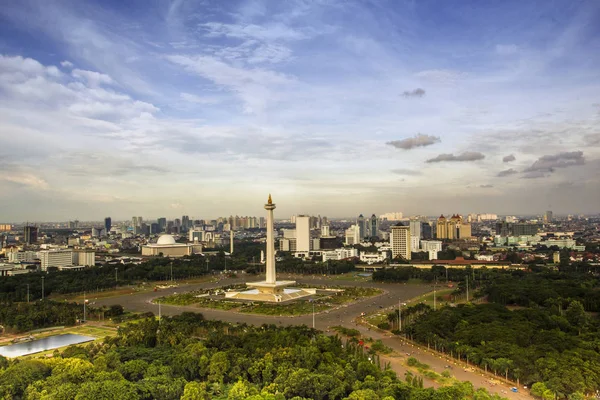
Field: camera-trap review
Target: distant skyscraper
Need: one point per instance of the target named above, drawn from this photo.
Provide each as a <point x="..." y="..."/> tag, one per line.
<point x="107" y="224"/>
<point x="362" y="226"/>
<point x="426" y="230"/>
<point x="31" y="234"/>
<point x="400" y="241"/>
<point x="302" y="233"/>
<point x="374" y="226"/>
<point x="162" y="224"/>
<point x="548" y="217"/>
<point x="185" y="223"/>
<point x="415" y="228"/>
<point x="352" y="235"/>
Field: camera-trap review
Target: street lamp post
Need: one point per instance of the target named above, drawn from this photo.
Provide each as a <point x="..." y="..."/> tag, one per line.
<point x="28" y="293"/>
<point x="171" y="272"/>
<point x="84" y="310"/>
<point x="399" y="316"/>
<point x="116" y="276"/>
<point x="42" y="287"/>
<point x="313" y="304"/>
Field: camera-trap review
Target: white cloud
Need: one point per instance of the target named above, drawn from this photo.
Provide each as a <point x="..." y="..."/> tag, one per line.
<point x="192" y="98"/>
<point x="66" y="64"/>
<point x="93" y="78"/>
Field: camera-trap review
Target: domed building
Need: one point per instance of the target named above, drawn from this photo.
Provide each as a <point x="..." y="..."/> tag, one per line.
<point x="168" y="247"/>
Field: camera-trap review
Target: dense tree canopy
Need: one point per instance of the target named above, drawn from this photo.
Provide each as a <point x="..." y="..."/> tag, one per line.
<point x="189" y="358"/>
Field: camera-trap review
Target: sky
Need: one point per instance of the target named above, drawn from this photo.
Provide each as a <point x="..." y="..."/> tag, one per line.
<point x="336" y="107"/>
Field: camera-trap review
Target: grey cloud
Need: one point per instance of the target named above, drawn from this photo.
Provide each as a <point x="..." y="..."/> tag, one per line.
<point x="419" y="140"/>
<point x="466" y="156"/>
<point x="509" y="158"/>
<point x="409" y="172"/>
<point x="486" y="186"/>
<point x="507" y="172"/>
<point x="548" y="163"/>
<point x="592" y="139"/>
<point x="536" y="174"/>
<point x="418" y="92"/>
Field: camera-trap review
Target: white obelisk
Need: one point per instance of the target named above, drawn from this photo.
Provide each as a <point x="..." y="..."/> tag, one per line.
<point x="271" y="274"/>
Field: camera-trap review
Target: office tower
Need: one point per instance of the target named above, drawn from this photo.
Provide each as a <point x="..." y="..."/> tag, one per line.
<point x="352" y="235"/>
<point x="453" y="228"/>
<point x="154" y="228"/>
<point x="325" y="231"/>
<point x="393" y="216"/>
<point x="374" y="226"/>
<point x="84" y="258"/>
<point x="432" y="247"/>
<point x="162" y="224"/>
<point x="524" y="229"/>
<point x="362" y="226"/>
<point x="415" y="228"/>
<point x="302" y="233"/>
<point x="400" y="241"/>
<point x="55" y="258"/>
<point x="107" y="224"/>
<point x="185" y="223"/>
<point x="134" y="222"/>
<point x="426" y="230"/>
<point x="140" y="220"/>
<point x="31" y="234"/>
<point x="548" y="217"/>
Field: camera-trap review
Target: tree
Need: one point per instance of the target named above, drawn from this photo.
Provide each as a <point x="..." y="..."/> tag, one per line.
<point x="195" y="391"/>
<point x="576" y="315"/>
<point x="538" y="389"/>
<point x="219" y="365"/>
<point x="241" y="390"/>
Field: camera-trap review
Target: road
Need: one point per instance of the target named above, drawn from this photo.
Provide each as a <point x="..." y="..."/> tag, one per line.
<point x="345" y="316"/>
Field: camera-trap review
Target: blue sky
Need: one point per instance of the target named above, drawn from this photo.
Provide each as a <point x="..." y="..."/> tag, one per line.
<point x="336" y="107"/>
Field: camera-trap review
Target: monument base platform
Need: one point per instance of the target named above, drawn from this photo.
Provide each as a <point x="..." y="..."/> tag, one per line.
<point x="271" y="292"/>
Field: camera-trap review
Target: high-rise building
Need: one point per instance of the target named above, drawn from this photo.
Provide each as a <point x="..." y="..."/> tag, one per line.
<point x="374" y="226"/>
<point x="30" y="234"/>
<point x="362" y="226"/>
<point x="325" y="232"/>
<point x="185" y="223"/>
<point x="453" y="228"/>
<point x="134" y="222"/>
<point x="302" y="233"/>
<point x="84" y="258"/>
<point x="393" y="216"/>
<point x="162" y="224"/>
<point x="352" y="235"/>
<point x="432" y="247"/>
<point x="548" y="217"/>
<point x="107" y="224"/>
<point x="426" y="230"/>
<point x="55" y="258"/>
<point x="400" y="241"/>
<point x="415" y="228"/>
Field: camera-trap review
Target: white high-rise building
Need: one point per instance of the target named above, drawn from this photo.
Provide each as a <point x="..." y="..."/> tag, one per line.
<point x="55" y="258"/>
<point x="392" y="216"/>
<point x="415" y="227"/>
<point x="414" y="242"/>
<point x="352" y="235"/>
<point x="84" y="258"/>
<point x="302" y="233"/>
<point x="325" y="231"/>
<point x="432" y="247"/>
<point x="400" y="241"/>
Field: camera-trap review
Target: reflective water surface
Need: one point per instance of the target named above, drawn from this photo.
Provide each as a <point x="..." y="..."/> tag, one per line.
<point x="49" y="343"/>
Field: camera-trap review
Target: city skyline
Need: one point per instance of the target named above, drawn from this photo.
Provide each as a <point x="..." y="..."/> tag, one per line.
<point x="200" y="107"/>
